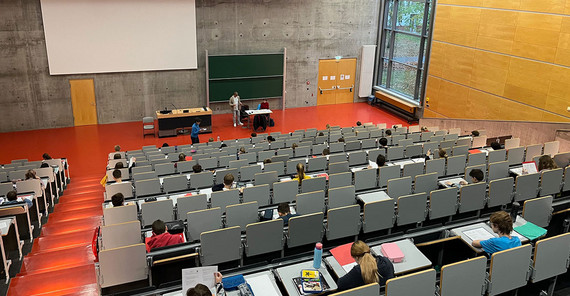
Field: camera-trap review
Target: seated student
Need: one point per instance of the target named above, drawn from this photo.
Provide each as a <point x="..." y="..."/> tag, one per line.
<point x="117" y="148"/>
<point x="181" y="157"/>
<point x="293" y="146"/>
<point x="227" y="185"/>
<point x="118" y="199"/>
<point x="301" y="173"/>
<point x="358" y="123"/>
<point x="475" y="133"/>
<point x="441" y="152"/>
<point x="383" y="143"/>
<point x="381" y="160"/>
<point x="201" y="290"/>
<point x="284" y="213"/>
<point x="197" y="168"/>
<point x="117" y="176"/>
<point x="424" y="129"/>
<point x="476" y="177"/>
<point x="321" y="134"/>
<point x="326" y="152"/>
<point x="502" y="224"/>
<point x="210" y="140"/>
<point x="267" y="160"/>
<point x="241" y="151"/>
<point x="369" y="269"/>
<point x="117" y="156"/>
<point x="165" y="145"/>
<point x="328" y="126"/>
<point x="254" y="134"/>
<point x="270" y="139"/>
<point x="341" y="140"/>
<point x="119" y="165"/>
<point x="12" y="198"/>
<point x="46" y="156"/>
<point x="546" y="162"/>
<point x="160" y="236"/>
<point x="496" y="146"/>
<point x="388" y="132"/>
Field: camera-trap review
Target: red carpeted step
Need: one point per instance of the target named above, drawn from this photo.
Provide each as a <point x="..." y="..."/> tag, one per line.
<point x="55" y="260"/>
<point x="70" y="215"/>
<point x="77" y="205"/>
<point x="54" y="281"/>
<point x="87" y="224"/>
<point x="82" y="197"/>
<point x="86" y="290"/>
<point x="62" y="241"/>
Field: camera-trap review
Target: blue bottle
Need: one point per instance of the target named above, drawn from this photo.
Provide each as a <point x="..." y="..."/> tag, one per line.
<point x="318" y="255"/>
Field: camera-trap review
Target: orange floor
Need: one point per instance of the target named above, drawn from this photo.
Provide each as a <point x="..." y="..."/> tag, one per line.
<point x="61" y="262"/>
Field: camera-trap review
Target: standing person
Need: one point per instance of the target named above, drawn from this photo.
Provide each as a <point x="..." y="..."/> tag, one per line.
<point x="195" y="131"/>
<point x="235" y="104"/>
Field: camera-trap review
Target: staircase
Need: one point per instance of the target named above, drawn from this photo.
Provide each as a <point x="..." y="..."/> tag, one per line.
<point x="61" y="260"/>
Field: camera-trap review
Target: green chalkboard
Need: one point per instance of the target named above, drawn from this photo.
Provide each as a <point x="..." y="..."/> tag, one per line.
<point x="254" y="76"/>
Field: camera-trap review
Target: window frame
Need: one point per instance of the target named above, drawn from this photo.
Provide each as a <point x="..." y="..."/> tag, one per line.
<point x="423" y="55"/>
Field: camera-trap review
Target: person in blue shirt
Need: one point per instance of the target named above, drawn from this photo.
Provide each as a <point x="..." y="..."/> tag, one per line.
<point x="502" y="224"/>
<point x="284" y="213"/>
<point x="195" y="131"/>
<point x="12" y="198"/>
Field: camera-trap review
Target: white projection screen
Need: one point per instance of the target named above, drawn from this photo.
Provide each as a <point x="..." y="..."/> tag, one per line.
<point x="99" y="36"/>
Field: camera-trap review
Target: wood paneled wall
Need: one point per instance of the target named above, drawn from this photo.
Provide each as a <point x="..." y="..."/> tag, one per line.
<point x="500" y="60"/>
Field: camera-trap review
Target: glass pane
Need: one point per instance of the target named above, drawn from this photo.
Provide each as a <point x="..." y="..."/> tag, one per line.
<point x="410" y="16"/>
<point x="403" y="79"/>
<point x="407" y="49"/>
<point x="390" y="9"/>
<point x="387" y="46"/>
<point x="384" y="73"/>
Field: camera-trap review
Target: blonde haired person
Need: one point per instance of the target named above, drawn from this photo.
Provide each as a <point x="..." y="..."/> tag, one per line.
<point x="369" y="269"/>
<point x="301" y="173"/>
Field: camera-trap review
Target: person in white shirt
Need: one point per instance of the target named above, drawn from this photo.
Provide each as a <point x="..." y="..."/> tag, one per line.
<point x="235" y="104"/>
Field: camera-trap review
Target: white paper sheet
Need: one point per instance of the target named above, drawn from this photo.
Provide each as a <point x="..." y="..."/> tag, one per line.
<point x="198" y="275"/>
<point x="478" y="234"/>
<point x="530" y="167"/>
<point x="261" y="285"/>
<point x="348" y="267"/>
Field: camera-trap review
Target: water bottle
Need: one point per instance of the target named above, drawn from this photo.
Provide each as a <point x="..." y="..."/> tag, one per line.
<point x="317" y="258"/>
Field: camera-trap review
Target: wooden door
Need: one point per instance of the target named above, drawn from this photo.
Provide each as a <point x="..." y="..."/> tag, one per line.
<point x="326" y="94"/>
<point x="345" y="81"/>
<point x="83" y="101"/>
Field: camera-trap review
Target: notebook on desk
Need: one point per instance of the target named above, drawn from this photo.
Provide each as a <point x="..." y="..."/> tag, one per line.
<point x="342" y="255"/>
<point x="478" y="233"/>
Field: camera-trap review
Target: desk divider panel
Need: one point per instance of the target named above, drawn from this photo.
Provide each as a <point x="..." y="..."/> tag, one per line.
<point x="412" y="208"/>
<point x="551" y="257"/>
<point x="418" y="284"/>
<point x="367" y="290"/>
<point x="122" y="265"/>
<point x="264" y="237"/>
<point x="538" y="210"/>
<point x="119" y="235"/>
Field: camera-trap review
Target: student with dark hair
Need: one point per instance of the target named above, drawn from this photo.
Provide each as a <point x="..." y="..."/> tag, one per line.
<point x="165" y="145"/>
<point x="326" y="152"/>
<point x="117" y="156"/>
<point x="358" y="123"/>
<point x="369" y="269"/>
<point x="270" y="139"/>
<point x="160" y="236"/>
<point x="341" y="140"/>
<point x="380" y="160"/>
<point x="117" y="176"/>
<point x="195" y="131"/>
<point x="118" y="199"/>
<point x="44" y="165"/>
<point x="12" y="198"/>
<point x="502" y="224"/>
<point x="197" y="168"/>
<point x="117" y="148"/>
<point x="284" y="212"/>
<point x="181" y="157"/>
<point x="546" y="162"/>
<point x="383" y="143"/>
<point x="31" y="174"/>
<point x="253" y="135"/>
<point x="475" y="133"/>
<point x="46" y="156"/>
<point x="227" y="185"/>
<point x="442" y="153"/>
<point x="267" y="160"/>
<point x="388" y="132"/>
<point x="321" y="134"/>
<point x="476" y="175"/>
<point x="201" y="290"/>
<point x="496" y="146"/>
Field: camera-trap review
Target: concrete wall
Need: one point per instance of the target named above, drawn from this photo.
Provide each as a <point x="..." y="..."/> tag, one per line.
<point x="310" y="30"/>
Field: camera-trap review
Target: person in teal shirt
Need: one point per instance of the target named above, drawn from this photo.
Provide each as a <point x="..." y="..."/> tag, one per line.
<point x="502" y="224"/>
<point x="195" y="131"/>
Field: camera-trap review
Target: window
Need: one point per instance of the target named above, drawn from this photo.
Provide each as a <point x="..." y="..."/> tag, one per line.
<point x="404" y="46"/>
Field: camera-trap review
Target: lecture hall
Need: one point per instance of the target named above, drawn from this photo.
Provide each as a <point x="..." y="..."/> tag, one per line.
<point x="284" y="148"/>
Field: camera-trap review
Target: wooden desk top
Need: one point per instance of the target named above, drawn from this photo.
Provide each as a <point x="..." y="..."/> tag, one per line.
<point x="180" y="113"/>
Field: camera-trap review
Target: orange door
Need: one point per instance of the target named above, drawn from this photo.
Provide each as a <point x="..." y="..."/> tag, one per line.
<point x="345" y="81"/>
<point x="326" y="94"/>
<point x="83" y="101"/>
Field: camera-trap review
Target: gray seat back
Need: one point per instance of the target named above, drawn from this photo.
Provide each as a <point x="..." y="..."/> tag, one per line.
<point x="313" y="184"/>
<point x="550" y="181"/>
<point x="265" y="178"/>
<point x="342" y="196"/>
<point x="305" y="229"/>
<point x="418" y="284"/>
<point x="538" y="210"/>
<point x="527" y="186"/>
<point x="219" y="246"/>
<point x="343" y="222"/>
<point x="551" y="257"/>
<point x="365" y="179"/>
<point x="175" y="183"/>
<point x="201" y="221"/>
<point x="459" y="150"/>
<point x="122" y="265"/>
<point x="443" y="203"/>
<point x="285" y="191"/>
<point x="147" y="187"/>
<point x="164" y="169"/>
<point x="242" y="214"/>
<point x="317" y="164"/>
<point x="414" y="150"/>
<point x="278" y="167"/>
<point x="264" y="237"/>
<point x="425" y="183"/>
<point x="472" y="197"/>
<point x="340" y="180"/>
<point x="497" y="155"/>
<point x="310" y="202"/>
<point x="184" y="166"/>
<point x="120" y="235"/>
<point x="456" y="165"/>
<point x="155" y="210"/>
<point x="498" y="170"/>
<point x="339" y="157"/>
<point x="395" y="152"/>
<point x="338" y="167"/>
<point x="399" y="187"/>
<point x="190" y="204"/>
<point x="378" y="215"/>
<point x="463" y="278"/>
<point x="144" y="176"/>
<point x="500" y="192"/>
<point x="436" y="166"/>
<point x="509" y="269"/>
<point x="413" y="169"/>
<point x="247" y="173"/>
<point x="202" y="179"/>
<point x="411" y="208"/>
<point x="532" y="151"/>
<point x="126" y="188"/>
<point x="357" y="158"/>
<point x="222" y="199"/>
<point x="476" y="159"/>
<point x="515" y="155"/>
<point x="220" y="174"/>
<point x="259" y="194"/>
<point x="120" y="214"/>
<point x="292" y="165"/>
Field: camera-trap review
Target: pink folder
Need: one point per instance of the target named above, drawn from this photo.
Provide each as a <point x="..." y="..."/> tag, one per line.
<point x="392" y="252"/>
